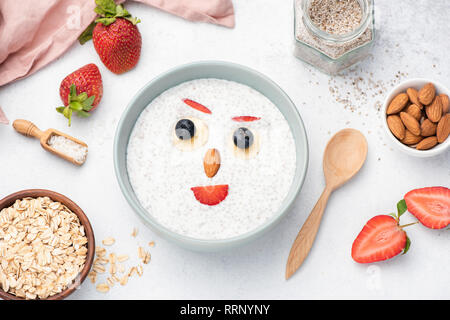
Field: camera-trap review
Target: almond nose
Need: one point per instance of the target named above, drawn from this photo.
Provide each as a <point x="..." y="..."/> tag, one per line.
<point x="211" y="162"/>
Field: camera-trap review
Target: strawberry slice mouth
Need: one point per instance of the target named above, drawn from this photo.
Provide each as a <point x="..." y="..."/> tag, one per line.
<point x="210" y="195"/>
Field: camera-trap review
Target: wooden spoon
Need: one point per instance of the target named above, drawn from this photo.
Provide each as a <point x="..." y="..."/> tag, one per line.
<point x="344" y="155"/>
<point x="29" y="129"/>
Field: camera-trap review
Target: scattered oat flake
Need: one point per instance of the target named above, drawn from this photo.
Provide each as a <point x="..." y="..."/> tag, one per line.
<point x="140" y="270"/>
<point x="132" y="271"/>
<point x="110" y="282"/>
<point x="92" y="276"/>
<point x="99" y="268"/>
<point x="101" y="261"/>
<point x="100" y="252"/>
<point x="151" y="243"/>
<point x="141" y="253"/>
<point x="112" y="258"/>
<point x="146" y="258"/>
<point x="135" y="232"/>
<point x="102" y="287"/>
<point x="124" y="280"/>
<point x="122" y="258"/>
<point x="112" y="269"/>
<point x="109" y="241"/>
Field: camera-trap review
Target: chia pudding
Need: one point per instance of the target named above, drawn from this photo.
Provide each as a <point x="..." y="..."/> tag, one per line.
<point x="169" y="174"/>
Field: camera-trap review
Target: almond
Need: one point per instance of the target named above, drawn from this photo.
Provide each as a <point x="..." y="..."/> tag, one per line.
<point x="445" y="103"/>
<point x="211" y="162"/>
<point x="397" y="104"/>
<point x="413" y="96"/>
<point x="427" y="143"/>
<point x="396" y="126"/>
<point x="434" y="110"/>
<point x="443" y="128"/>
<point x="411" y="138"/>
<point x="415" y="111"/>
<point x="428" y="128"/>
<point x="426" y="94"/>
<point x="411" y="123"/>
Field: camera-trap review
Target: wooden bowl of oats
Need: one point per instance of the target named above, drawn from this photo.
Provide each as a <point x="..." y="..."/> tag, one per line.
<point x="47" y="246"/>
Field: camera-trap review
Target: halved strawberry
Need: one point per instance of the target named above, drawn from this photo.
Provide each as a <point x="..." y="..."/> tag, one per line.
<point x="196" y="105"/>
<point x="211" y="195"/>
<point x="245" y="118"/>
<point x="380" y="239"/>
<point x="430" y="205"/>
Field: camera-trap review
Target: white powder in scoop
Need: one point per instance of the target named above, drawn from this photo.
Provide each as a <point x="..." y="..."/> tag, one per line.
<point x="162" y="175"/>
<point x="70" y="148"/>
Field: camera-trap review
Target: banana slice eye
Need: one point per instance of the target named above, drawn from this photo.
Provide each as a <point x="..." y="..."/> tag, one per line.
<point x="245" y="143"/>
<point x="189" y="134"/>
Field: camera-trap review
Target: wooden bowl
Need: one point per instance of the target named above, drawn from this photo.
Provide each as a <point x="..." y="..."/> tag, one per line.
<point x="35" y="193"/>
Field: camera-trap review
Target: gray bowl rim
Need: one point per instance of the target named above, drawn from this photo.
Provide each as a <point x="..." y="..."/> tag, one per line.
<point x="211" y="244"/>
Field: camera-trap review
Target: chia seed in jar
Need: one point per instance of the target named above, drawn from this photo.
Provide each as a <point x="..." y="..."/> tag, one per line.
<point x="332" y="35"/>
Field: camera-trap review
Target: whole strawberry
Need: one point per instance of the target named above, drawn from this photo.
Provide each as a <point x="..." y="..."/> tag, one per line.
<point x="81" y="92"/>
<point x="116" y="37"/>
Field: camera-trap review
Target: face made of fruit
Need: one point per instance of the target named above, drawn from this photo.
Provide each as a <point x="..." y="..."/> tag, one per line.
<point x="211" y="158"/>
<point x="191" y="133"/>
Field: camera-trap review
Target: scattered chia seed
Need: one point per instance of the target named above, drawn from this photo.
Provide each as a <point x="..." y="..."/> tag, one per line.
<point x="364" y="89"/>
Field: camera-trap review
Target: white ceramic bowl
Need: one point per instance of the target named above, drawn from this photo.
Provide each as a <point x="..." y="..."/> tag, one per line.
<point x="415" y="83"/>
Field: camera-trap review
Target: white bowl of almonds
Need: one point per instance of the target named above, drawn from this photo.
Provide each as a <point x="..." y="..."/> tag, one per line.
<point x="47" y="246"/>
<point x="417" y="117"/>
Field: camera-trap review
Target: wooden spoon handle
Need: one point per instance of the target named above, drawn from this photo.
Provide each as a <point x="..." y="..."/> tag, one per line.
<point x="27" y="128"/>
<point x="305" y="238"/>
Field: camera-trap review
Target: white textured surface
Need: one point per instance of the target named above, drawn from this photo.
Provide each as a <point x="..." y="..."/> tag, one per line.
<point x="411" y="37"/>
<point x="162" y="175"/>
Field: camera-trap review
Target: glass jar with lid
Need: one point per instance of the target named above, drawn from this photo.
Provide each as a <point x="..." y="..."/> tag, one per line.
<point x="332" y="35"/>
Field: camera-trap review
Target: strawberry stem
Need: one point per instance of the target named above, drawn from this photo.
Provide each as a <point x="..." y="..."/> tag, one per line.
<point x="109" y="12"/>
<point x="407" y="225"/>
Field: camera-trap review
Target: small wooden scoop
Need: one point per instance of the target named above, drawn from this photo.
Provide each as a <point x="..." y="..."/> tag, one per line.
<point x="28" y="129"/>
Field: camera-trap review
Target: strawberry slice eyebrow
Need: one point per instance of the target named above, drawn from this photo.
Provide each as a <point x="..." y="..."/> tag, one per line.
<point x="196" y="106"/>
<point x="245" y="118"/>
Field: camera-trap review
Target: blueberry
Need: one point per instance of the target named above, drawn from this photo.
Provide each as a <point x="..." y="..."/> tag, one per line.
<point x="243" y="138"/>
<point x="185" y="129"/>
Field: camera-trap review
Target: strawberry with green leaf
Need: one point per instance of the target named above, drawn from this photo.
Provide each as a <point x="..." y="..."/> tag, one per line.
<point x="116" y="37"/>
<point x="382" y="238"/>
<point x="81" y="92"/>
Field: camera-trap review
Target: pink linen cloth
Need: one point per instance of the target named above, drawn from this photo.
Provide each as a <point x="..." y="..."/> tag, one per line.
<point x="3" y="118"/>
<point x="34" y="33"/>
